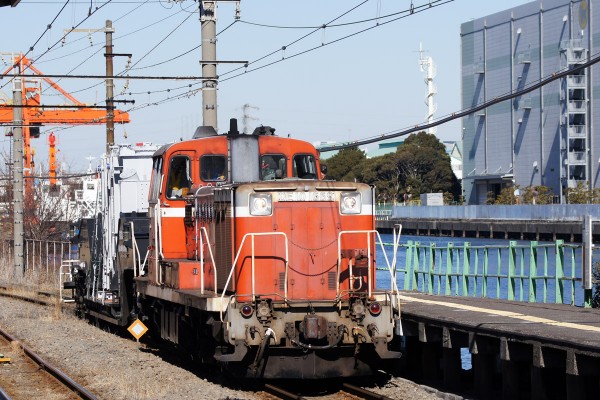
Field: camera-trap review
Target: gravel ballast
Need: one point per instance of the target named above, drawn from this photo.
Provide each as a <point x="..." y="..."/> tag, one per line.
<point x="113" y="367"/>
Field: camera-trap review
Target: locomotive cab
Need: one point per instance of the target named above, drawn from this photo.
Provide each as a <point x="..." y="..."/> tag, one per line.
<point x="250" y="246"/>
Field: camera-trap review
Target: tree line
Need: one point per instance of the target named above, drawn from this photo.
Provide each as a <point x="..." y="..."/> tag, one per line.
<point x="419" y="165"/>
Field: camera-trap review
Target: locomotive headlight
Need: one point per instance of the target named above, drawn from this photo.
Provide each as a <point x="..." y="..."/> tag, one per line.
<point x="261" y="204"/>
<point x="350" y="203"/>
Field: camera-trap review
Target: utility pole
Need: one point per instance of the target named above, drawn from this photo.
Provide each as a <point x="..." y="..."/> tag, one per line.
<point x="110" y="87"/>
<point x="208" y="19"/>
<point x="110" y="105"/>
<point x="18" y="236"/>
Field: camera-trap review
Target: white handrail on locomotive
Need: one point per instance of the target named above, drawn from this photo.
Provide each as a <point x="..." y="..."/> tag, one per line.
<point x="157" y="244"/>
<point x="252" y="269"/>
<point x="136" y="250"/>
<point x="391" y="268"/>
<point x="396" y="245"/>
<point x="198" y="237"/>
<point x="212" y="259"/>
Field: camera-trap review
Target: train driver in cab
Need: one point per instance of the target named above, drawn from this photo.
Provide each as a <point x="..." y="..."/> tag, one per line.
<point x="179" y="182"/>
<point x="272" y="166"/>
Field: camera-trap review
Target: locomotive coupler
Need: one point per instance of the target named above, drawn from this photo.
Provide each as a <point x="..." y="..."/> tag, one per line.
<point x="238" y="354"/>
<point x="340" y="335"/>
<point x="260" y="354"/>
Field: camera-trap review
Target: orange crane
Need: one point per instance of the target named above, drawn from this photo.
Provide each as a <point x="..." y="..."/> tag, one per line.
<point x="35" y="116"/>
<point x="52" y="160"/>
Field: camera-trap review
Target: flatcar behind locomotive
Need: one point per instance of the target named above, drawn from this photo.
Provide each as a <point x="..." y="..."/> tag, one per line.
<point x="254" y="260"/>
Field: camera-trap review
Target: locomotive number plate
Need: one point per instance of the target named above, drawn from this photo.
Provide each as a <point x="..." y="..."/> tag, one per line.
<point x="306" y="196"/>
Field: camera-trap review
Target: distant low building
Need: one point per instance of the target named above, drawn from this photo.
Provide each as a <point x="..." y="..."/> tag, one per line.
<point x="384" y="147"/>
<point x="454" y="150"/>
<point x="323" y="144"/>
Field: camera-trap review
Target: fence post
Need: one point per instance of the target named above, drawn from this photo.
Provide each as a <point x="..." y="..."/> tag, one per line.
<point x="466" y="268"/>
<point x="485" y="273"/>
<point x="408" y="270"/>
<point x="449" y="266"/>
<point x="511" y="269"/>
<point x="47" y="259"/>
<point x="417" y="265"/>
<point x="53" y="257"/>
<point x="559" y="273"/>
<point x="40" y="256"/>
<point x="545" y="273"/>
<point x="430" y="268"/>
<point x="521" y="272"/>
<point x="586" y="265"/>
<point x="533" y="271"/>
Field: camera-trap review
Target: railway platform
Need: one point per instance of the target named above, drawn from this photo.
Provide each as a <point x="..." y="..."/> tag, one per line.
<point x="516" y="349"/>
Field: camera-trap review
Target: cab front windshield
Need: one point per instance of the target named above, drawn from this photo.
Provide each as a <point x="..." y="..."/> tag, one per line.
<point x="305" y="166"/>
<point x="272" y="166"/>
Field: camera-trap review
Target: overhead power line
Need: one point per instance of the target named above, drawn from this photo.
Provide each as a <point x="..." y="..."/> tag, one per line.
<point x="65" y="76"/>
<point x="464" y="113"/>
<point x="402" y="14"/>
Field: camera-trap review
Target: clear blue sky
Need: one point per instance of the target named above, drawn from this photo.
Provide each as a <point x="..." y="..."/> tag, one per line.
<point x="362" y="86"/>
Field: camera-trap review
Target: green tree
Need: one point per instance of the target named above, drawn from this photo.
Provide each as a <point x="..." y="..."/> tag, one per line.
<point x="507" y="195"/>
<point x="344" y="165"/>
<point x="381" y="172"/>
<point x="582" y="194"/>
<point x="424" y="166"/>
<point x="542" y="195"/>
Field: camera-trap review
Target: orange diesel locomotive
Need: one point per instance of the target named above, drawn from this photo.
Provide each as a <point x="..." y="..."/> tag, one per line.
<point x="256" y="261"/>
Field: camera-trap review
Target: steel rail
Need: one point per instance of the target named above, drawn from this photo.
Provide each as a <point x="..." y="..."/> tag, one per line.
<point x="4" y="395"/>
<point x="282" y="393"/>
<point x="52" y="370"/>
<point x="23" y="298"/>
<point x="363" y="393"/>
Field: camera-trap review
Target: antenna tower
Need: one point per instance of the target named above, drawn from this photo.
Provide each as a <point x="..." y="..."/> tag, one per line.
<point x="429" y="69"/>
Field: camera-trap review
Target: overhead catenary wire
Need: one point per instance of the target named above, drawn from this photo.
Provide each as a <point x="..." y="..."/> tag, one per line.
<point x="191" y="92"/>
<point x="125" y="35"/>
<point x="60" y="40"/>
<point x="140" y="77"/>
<point x="328" y="24"/>
<point x="69" y="176"/>
<point x="409" y="12"/>
<point x="468" y="111"/>
<point x="158" y="44"/>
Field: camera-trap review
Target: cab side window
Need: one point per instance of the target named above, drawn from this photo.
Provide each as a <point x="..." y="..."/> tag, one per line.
<point x="272" y="166"/>
<point x="305" y="166"/>
<point x="179" y="181"/>
<point x="156" y="178"/>
<point x="213" y="168"/>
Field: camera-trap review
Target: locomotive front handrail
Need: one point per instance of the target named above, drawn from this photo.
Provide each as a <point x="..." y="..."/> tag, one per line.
<point x="393" y="284"/>
<point x="252" y="272"/>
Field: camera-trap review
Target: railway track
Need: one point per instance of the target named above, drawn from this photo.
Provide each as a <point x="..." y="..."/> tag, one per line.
<point x="347" y="391"/>
<point x="334" y="391"/>
<point x="28" y="375"/>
